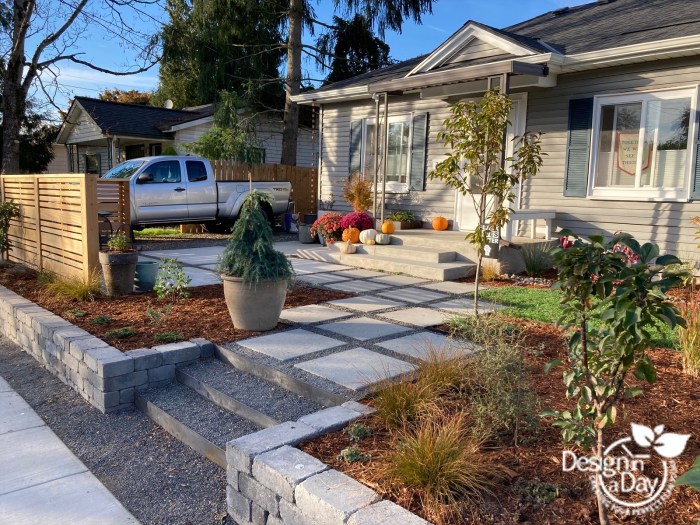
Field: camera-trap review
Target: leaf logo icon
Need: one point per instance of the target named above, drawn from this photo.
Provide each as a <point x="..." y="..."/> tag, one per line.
<point x="668" y="445"/>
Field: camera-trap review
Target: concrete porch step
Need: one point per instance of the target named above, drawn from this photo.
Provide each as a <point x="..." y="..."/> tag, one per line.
<point x="447" y="271"/>
<point x="410" y="253"/>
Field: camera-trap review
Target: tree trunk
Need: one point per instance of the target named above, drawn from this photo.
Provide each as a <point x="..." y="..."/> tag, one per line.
<point x="602" y="512"/>
<point x="293" y="81"/>
<point x="11" y="121"/>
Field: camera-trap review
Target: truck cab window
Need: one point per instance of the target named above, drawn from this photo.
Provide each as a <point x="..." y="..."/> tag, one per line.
<point x="196" y="171"/>
<point x="165" y="171"/>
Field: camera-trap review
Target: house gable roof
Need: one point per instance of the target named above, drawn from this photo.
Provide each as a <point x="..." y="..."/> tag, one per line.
<point x="117" y="118"/>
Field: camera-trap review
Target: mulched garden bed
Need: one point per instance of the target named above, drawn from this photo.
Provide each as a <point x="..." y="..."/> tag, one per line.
<point x="672" y="401"/>
<point x="203" y="314"/>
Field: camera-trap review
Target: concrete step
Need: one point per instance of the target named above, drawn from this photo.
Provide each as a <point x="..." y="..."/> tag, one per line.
<point x="448" y="271"/>
<point x="410" y="253"/>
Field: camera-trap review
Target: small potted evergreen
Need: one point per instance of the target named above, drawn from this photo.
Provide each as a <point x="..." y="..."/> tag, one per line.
<point x="255" y="275"/>
<point x="119" y="264"/>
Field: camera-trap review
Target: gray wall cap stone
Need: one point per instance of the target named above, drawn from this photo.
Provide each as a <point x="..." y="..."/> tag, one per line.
<point x="383" y="513"/>
<point x="330" y="419"/>
<point x="145" y="358"/>
<point x="359" y="407"/>
<point x="282" y="469"/>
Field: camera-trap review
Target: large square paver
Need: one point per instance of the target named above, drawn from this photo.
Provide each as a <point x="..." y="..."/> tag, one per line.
<point x="421" y="345"/>
<point x="364" y="328"/>
<point x="356" y="368"/>
<point x="357" y="286"/>
<point x="312" y="313"/>
<point x="464" y="306"/>
<point x="399" y="280"/>
<point x="366" y="303"/>
<point x="202" y="277"/>
<point x="422" y="317"/>
<point x="362" y="274"/>
<point x="290" y="344"/>
<point x="16" y="413"/>
<point x="453" y="287"/>
<point x="413" y="295"/>
<point x="321" y="278"/>
<point x="304" y="266"/>
<point x="193" y="256"/>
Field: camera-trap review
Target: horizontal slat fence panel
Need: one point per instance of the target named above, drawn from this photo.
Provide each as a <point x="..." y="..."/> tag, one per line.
<point x="303" y="180"/>
<point x="58" y="228"/>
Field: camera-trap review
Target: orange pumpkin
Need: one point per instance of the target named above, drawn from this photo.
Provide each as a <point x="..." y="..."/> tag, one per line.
<point x="351" y="234"/>
<point x="439" y="223"/>
<point x="388" y="226"/>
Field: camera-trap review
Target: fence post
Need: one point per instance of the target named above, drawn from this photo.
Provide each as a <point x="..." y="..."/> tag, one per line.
<point x="91" y="245"/>
<point x="37" y="211"/>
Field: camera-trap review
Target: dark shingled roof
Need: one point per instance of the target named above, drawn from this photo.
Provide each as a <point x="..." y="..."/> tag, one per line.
<point x="118" y="118"/>
<point x="589" y="27"/>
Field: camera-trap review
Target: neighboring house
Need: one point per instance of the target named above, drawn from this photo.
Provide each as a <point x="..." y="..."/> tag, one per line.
<point x="101" y="134"/>
<point x="60" y="162"/>
<point x="613" y="85"/>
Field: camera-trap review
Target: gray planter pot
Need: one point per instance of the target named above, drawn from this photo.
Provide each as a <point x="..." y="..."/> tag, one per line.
<point x="119" y="269"/>
<point x="146" y="273"/>
<point x="254" y="307"/>
<point x="305" y="236"/>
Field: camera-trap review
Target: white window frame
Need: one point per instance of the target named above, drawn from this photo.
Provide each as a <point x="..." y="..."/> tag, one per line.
<point x="637" y="193"/>
<point x="391" y="187"/>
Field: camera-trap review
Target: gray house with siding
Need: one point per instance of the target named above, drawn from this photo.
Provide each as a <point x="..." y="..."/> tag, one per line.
<point x="613" y="85"/>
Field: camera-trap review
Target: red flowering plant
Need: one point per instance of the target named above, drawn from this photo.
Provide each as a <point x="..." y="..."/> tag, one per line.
<point x="358" y="219"/>
<point x="329" y="227"/>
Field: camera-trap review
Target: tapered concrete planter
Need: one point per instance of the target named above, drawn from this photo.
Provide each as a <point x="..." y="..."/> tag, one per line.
<point x="254" y="307"/>
<point x="119" y="269"/>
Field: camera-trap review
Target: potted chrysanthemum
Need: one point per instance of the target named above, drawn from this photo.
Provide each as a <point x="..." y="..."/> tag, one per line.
<point x="328" y="227"/>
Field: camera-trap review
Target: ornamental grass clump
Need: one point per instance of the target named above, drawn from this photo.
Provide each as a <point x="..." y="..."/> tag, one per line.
<point x="358" y="192"/>
<point x="250" y="253"/>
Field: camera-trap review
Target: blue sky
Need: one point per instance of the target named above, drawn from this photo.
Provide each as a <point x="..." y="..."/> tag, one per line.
<point x="447" y="17"/>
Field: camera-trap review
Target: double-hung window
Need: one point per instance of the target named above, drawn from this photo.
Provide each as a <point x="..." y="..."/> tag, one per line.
<point x="642" y="146"/>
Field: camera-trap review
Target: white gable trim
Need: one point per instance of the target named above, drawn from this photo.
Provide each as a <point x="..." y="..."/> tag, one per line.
<point x="462" y="38"/>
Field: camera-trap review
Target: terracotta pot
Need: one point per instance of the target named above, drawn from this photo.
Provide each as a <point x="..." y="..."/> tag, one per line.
<point x="254" y="307"/>
<point x="119" y="269"/>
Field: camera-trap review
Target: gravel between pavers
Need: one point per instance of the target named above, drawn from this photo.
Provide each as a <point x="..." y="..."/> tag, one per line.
<point x="201" y="415"/>
<point x="157" y="478"/>
<point x="257" y="393"/>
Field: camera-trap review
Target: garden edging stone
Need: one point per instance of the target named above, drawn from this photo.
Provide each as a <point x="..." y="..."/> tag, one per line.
<point x="106" y="377"/>
<point x="270" y="482"/>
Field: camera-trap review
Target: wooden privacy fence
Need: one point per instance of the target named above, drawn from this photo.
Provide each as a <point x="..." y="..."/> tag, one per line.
<point x="303" y="179"/>
<point x="59" y="225"/>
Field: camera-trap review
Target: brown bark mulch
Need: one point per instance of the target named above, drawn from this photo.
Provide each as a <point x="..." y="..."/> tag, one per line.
<point x="203" y="314"/>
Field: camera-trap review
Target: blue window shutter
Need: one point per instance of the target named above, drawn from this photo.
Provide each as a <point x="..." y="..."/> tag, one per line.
<point x="695" y="189"/>
<point x="418" y="145"/>
<point x="578" y="151"/>
<point x="355" y="163"/>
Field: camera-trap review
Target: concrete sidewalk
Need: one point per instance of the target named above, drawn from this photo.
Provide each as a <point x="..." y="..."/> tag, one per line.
<point x="41" y="480"/>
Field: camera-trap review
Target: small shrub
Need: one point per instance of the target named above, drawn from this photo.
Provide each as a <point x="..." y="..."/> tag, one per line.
<point x="119" y="242"/>
<point x="353" y="455"/>
<point x="357" y="432"/>
<point x="358" y="192"/>
<point x="45" y="277"/>
<point x="490" y="270"/>
<point x="442" y="463"/>
<point x="156" y="316"/>
<point x="484" y="329"/>
<point x="101" y="319"/>
<point x="80" y="288"/>
<point x="8" y="210"/>
<point x="537" y="258"/>
<point x="401" y="403"/>
<point x="76" y="314"/>
<point x="171" y="281"/>
<point x="167" y="337"/>
<point x="121" y="333"/>
<point x="402" y="216"/>
<point x="538" y="492"/>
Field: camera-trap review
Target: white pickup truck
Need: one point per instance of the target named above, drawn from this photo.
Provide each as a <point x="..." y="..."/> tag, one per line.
<point x="182" y="189"/>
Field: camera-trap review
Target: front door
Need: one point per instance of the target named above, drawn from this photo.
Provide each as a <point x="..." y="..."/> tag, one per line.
<point x="466" y="217"/>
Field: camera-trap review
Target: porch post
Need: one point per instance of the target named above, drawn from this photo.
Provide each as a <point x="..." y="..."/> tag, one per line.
<point x="110" y="153"/>
<point x="375" y="154"/>
<point x="384" y="157"/>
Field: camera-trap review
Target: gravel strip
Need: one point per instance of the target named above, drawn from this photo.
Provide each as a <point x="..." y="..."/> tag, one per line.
<point x="257" y="393"/>
<point x="157" y="478"/>
<point x="199" y="414"/>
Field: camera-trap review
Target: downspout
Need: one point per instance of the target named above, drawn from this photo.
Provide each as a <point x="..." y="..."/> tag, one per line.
<point x="384" y="157"/>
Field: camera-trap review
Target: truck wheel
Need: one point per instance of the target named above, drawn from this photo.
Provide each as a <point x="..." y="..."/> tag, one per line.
<point x="223" y="227"/>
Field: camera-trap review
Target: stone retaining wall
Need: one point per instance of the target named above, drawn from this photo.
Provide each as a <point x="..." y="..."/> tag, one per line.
<point x="106" y="377"/>
<point x="269" y="482"/>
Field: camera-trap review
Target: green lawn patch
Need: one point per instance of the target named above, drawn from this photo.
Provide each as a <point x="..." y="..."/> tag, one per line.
<point x="542" y="305"/>
<point x="157" y="232"/>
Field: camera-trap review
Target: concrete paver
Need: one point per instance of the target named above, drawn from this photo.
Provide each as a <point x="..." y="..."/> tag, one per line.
<point x="413" y="295"/>
<point x="357" y="286"/>
<point x="399" y="280"/>
<point x="289" y="344"/>
<point x="192" y="256"/>
<point x="367" y="303"/>
<point x="422" y="344"/>
<point x="465" y="306"/>
<point x="362" y="274"/>
<point x="422" y="317"/>
<point x="312" y="313"/>
<point x="356" y="368"/>
<point x="322" y="278"/>
<point x="364" y="328"/>
<point x="453" y="287"/>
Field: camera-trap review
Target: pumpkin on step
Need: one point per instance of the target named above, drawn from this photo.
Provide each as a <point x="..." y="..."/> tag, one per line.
<point x="351" y="234"/>
<point x="368" y="236"/>
<point x="383" y="238"/>
<point x="439" y="223"/>
<point x="347" y="248"/>
<point x="387" y="227"/>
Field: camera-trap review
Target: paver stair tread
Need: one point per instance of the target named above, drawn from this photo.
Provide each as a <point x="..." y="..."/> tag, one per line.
<point x="199" y="414"/>
<point x="405" y="253"/>
<point x="253" y="391"/>
<point x="440" y="271"/>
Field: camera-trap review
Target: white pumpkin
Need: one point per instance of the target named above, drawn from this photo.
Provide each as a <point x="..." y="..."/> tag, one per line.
<point x="347" y="248"/>
<point x="368" y="235"/>
<point x="383" y="238"/>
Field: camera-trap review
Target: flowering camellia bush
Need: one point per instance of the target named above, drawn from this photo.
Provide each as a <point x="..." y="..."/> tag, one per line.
<point x="359" y="220"/>
<point x="328" y="226"/>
